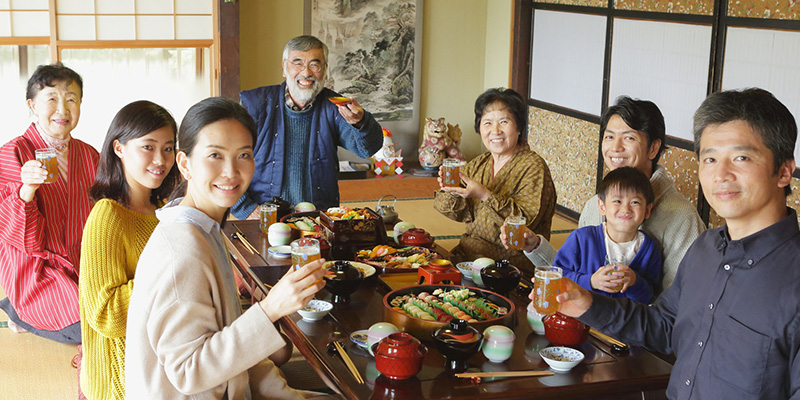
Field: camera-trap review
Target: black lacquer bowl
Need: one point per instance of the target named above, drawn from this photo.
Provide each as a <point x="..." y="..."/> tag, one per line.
<point x="342" y="279"/>
<point x="457" y="341"/>
<point x="501" y="277"/>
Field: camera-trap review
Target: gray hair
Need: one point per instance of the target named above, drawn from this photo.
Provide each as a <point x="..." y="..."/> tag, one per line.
<point x="305" y="43"/>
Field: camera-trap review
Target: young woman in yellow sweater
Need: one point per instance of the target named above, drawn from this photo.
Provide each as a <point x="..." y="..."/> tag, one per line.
<point x="134" y="177"/>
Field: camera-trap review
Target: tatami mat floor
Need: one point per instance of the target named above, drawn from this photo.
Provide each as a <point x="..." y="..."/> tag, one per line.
<point x="36" y="368"/>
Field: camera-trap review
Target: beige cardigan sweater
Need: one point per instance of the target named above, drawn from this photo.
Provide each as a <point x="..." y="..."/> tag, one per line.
<point x="187" y="337"/>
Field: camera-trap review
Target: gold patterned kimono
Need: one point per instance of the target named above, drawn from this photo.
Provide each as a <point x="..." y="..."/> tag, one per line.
<point x="522" y="187"/>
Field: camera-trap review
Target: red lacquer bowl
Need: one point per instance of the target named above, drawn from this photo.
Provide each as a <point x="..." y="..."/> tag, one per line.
<point x="562" y="330"/>
<point x="399" y="356"/>
<point x="340" y="101"/>
<point x="416" y="237"/>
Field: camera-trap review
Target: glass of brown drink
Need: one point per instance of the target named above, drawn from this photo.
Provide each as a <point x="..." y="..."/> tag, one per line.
<point x="269" y="216"/>
<point x="49" y="159"/>
<point x="451" y="168"/>
<point x="304" y="251"/>
<point x="546" y="286"/>
<point x="515" y="230"/>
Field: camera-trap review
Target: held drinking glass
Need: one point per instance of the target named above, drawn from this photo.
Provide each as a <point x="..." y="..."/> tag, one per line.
<point x="304" y="251"/>
<point x="616" y="261"/>
<point x="546" y="286"/>
<point x="451" y="167"/>
<point x="515" y="229"/>
<point x="49" y="159"/>
<point x="269" y="216"/>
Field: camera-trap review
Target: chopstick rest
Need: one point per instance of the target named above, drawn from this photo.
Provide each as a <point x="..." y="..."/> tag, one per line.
<point x="613" y="343"/>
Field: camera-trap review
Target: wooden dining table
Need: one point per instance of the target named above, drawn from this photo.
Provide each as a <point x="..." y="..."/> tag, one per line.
<point x="603" y="374"/>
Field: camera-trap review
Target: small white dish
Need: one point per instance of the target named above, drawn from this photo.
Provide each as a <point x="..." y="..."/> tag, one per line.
<point x="360" y="338"/>
<point x="315" y="310"/>
<point x="366" y="269"/>
<point x="280" y="251"/>
<point x="561" y="359"/>
<point x="466" y="269"/>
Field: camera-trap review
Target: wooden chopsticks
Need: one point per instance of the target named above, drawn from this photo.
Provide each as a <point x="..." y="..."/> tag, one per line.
<point x="348" y="362"/>
<point x="507" y="374"/>
<point x="608" y="339"/>
<point x="252" y="249"/>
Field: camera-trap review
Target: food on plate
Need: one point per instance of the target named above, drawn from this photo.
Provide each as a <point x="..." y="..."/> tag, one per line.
<point x="443" y="305"/>
<point x="304" y="223"/>
<point x="390" y="257"/>
<point x="347" y="213"/>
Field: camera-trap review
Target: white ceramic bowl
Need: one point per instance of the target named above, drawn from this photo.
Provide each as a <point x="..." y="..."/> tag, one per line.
<point x="561" y="359"/>
<point x="379" y="331"/>
<point x="315" y="310"/>
<point x="477" y="266"/>
<point x="399" y="229"/>
<point x="535" y="320"/>
<point x="279" y="234"/>
<point x="465" y="268"/>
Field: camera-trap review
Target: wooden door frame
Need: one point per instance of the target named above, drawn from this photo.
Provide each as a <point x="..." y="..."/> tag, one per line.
<point x="228" y="52"/>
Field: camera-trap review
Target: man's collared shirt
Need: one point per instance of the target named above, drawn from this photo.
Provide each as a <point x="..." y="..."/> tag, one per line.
<point x="732" y="317"/>
<point x="292" y="106"/>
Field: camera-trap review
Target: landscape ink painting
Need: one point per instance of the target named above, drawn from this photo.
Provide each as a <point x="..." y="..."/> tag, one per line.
<point x="371" y="52"/>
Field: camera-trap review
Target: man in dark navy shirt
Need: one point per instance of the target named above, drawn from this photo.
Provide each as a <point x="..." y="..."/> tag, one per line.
<point x="732" y="317"/>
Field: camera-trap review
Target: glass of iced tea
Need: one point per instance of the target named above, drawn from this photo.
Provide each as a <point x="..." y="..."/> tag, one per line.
<point x="451" y="167"/>
<point x="269" y="216"/>
<point x="515" y="230"/>
<point x="616" y="262"/>
<point x="49" y="159"/>
<point x="546" y="286"/>
<point x="304" y="251"/>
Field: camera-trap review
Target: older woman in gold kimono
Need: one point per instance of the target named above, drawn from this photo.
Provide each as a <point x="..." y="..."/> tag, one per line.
<point x="508" y="180"/>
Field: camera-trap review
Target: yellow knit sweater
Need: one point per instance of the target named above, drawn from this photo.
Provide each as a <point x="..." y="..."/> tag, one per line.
<point x="113" y="239"/>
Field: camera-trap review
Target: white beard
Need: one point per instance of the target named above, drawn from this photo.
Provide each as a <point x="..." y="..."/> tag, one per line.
<point x="301" y="94"/>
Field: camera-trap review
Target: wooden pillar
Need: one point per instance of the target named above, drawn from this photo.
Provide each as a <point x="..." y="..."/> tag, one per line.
<point x="229" y="80"/>
<point x="521" y="46"/>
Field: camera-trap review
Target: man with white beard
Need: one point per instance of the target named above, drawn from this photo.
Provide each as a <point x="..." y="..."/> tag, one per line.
<point x="299" y="131"/>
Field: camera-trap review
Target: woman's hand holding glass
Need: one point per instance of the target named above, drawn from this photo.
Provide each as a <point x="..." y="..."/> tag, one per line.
<point x="531" y="239"/>
<point x="294" y="290"/>
<point x="32" y="176"/>
<point x="473" y="189"/>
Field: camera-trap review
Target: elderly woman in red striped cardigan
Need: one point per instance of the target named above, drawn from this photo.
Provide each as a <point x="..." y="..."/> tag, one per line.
<point x="42" y="225"/>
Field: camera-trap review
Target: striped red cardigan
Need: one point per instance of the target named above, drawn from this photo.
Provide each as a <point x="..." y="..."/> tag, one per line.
<point x="40" y="241"/>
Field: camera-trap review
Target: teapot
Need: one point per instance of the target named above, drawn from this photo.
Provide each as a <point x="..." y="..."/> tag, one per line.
<point x="388" y="213"/>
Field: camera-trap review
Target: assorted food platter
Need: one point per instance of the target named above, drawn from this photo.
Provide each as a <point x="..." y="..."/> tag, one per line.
<point x="307" y="222"/>
<point x="420" y="310"/>
<point x="396" y="259"/>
